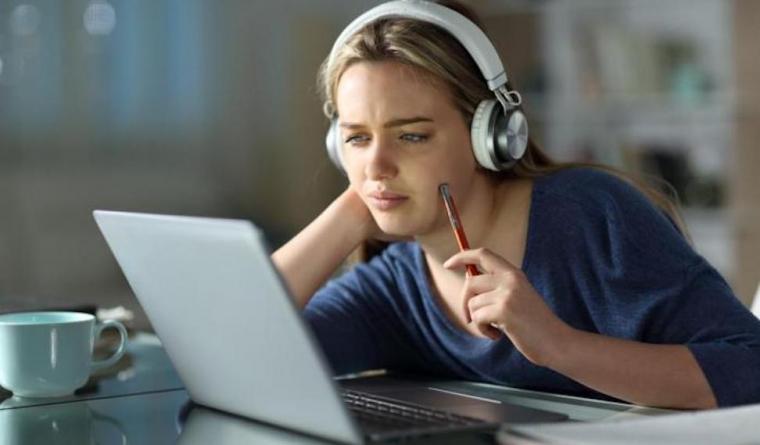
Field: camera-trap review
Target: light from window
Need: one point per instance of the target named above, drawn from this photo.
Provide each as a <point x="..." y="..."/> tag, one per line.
<point x="24" y="20"/>
<point x="99" y="18"/>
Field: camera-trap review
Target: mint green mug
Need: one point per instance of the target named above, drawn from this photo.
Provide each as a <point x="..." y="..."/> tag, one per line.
<point x="49" y="354"/>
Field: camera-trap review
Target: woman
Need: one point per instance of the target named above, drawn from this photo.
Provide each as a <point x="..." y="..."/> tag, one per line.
<point x="588" y="286"/>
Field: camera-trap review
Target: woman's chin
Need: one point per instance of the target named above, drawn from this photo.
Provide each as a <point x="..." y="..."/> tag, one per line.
<point x="402" y="226"/>
<point x="396" y="231"/>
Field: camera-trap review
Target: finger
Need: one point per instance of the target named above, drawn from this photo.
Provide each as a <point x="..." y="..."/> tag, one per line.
<point x="482" y="257"/>
<point x="474" y="286"/>
<point x="465" y="306"/>
<point x="487" y="322"/>
<point x="479" y="284"/>
<point x="479" y="301"/>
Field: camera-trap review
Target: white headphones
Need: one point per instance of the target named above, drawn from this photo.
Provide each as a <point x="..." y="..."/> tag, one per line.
<point x="499" y="134"/>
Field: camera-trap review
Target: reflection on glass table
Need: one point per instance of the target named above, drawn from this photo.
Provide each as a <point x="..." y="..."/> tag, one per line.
<point x="67" y="423"/>
<point x="204" y="426"/>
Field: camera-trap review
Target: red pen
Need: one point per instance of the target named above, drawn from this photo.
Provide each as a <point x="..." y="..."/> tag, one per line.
<point x="456" y="225"/>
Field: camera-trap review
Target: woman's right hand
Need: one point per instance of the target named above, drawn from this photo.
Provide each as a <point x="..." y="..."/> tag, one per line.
<point x="318" y="250"/>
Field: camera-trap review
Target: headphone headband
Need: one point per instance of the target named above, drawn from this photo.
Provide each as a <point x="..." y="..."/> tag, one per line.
<point x="466" y="32"/>
<point x="499" y="138"/>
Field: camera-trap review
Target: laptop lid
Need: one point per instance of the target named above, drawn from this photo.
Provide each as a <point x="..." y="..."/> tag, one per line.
<point x="226" y="320"/>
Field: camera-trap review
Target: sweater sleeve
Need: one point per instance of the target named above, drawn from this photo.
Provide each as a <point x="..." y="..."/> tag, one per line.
<point x="353" y="318"/>
<point x="650" y="285"/>
<point x="725" y="337"/>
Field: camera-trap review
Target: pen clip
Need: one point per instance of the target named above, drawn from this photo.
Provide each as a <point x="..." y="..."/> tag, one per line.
<point x="449" y="204"/>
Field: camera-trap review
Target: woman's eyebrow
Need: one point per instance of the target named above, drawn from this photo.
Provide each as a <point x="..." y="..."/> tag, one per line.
<point x="391" y="123"/>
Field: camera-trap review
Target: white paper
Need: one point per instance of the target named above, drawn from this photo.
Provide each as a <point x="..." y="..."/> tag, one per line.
<point x="756" y="303"/>
<point x="727" y="426"/>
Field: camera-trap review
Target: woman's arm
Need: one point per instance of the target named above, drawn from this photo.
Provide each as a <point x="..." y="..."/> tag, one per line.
<point x="308" y="260"/>
<point x="643" y="373"/>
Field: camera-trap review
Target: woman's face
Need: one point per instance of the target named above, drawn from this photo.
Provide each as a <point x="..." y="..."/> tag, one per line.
<point x="402" y="137"/>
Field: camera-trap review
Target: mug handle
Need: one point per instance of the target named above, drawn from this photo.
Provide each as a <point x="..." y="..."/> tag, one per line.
<point x="119" y="351"/>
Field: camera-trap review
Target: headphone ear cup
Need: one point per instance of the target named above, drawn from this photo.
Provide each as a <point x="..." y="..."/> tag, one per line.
<point x="516" y="135"/>
<point x="498" y="140"/>
<point x="333" y="144"/>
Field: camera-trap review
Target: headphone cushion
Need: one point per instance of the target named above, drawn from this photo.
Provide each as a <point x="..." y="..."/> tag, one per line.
<point x="333" y="144"/>
<point x="481" y="145"/>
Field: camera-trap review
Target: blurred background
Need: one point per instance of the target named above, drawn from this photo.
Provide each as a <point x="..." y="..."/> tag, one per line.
<point x="204" y="107"/>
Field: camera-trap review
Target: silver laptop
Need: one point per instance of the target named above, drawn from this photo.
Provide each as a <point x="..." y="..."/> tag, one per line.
<point x="239" y="344"/>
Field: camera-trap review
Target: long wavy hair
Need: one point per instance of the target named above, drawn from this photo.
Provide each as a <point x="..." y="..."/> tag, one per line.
<point x="435" y="51"/>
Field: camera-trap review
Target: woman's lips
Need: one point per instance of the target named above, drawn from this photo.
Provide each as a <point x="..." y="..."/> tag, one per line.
<point x="386" y="200"/>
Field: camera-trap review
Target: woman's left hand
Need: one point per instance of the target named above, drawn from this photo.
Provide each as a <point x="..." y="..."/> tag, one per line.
<point x="503" y="298"/>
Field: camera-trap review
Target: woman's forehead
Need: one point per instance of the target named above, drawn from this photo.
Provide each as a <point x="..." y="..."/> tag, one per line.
<point x="390" y="83"/>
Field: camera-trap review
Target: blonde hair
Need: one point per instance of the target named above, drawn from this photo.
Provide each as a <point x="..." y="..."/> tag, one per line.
<point x="437" y="53"/>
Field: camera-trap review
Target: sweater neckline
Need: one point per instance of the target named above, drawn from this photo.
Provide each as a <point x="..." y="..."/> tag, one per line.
<point x="433" y="304"/>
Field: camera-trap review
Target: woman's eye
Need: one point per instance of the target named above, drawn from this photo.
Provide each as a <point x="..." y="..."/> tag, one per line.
<point x="414" y="137"/>
<point x="355" y="139"/>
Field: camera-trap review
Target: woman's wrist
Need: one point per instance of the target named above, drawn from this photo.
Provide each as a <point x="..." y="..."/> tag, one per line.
<point x="559" y="346"/>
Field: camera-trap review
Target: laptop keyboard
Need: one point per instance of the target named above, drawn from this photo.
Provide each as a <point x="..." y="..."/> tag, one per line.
<point x="381" y="417"/>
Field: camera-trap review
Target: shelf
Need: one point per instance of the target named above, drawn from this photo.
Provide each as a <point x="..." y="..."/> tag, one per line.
<point x="628" y="80"/>
<point x="621" y="110"/>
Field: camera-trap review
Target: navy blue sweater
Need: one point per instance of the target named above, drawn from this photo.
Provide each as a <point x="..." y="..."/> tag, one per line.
<point x="604" y="259"/>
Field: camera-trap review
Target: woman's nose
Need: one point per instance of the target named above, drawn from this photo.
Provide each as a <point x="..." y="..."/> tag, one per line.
<point x="381" y="163"/>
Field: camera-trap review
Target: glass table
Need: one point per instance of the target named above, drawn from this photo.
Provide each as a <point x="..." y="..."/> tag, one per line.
<point x="141" y="400"/>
